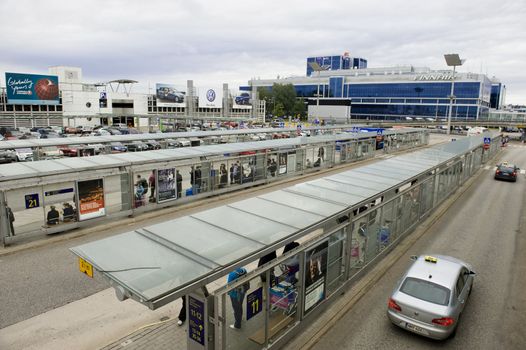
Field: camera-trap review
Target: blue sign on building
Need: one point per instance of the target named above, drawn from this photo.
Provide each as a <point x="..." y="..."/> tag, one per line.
<point x="196" y="312"/>
<point x="32" y="89"/>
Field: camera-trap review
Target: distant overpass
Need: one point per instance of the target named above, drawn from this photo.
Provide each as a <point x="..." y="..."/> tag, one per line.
<point x="494" y="119"/>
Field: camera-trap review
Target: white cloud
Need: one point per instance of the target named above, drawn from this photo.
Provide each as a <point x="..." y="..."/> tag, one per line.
<point x="229" y="41"/>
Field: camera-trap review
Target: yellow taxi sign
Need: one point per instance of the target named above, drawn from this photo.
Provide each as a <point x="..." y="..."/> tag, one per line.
<point x="430" y="259"/>
<point x="85" y="267"/>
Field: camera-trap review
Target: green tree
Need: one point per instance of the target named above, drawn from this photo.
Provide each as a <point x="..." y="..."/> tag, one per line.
<point x="286" y="95"/>
<point x="300" y="108"/>
<point x="279" y="110"/>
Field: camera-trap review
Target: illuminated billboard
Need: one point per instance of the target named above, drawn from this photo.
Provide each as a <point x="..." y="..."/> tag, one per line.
<point x="32" y="89"/>
<point x="169" y="96"/>
<point x="211" y="97"/>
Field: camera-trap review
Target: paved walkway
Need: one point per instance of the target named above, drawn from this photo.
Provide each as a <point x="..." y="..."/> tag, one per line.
<point x="166" y="335"/>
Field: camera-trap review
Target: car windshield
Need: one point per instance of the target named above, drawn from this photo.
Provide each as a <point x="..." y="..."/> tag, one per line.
<point x="426" y="290"/>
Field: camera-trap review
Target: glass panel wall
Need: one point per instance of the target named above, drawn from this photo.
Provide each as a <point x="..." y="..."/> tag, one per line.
<point x="336" y="261"/>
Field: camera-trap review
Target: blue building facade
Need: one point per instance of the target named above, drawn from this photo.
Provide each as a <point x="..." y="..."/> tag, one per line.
<point x="390" y="93"/>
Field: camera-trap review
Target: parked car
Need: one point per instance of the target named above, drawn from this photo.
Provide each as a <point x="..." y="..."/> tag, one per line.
<point x="101" y="132"/>
<point x="24" y="154"/>
<point x="506" y="171"/>
<point x="114" y="131"/>
<point x="153" y="145"/>
<point x="430" y="297"/>
<point x="137" y="146"/>
<point x="118" y="147"/>
<point x="7" y="156"/>
<point x="77" y="151"/>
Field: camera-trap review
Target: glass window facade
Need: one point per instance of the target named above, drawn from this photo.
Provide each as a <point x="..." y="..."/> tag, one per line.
<point x="495" y="95"/>
<point x="418" y="90"/>
<point x="336" y="87"/>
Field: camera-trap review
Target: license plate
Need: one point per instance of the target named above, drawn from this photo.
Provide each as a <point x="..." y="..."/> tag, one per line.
<point x="85" y="267"/>
<point x="416" y="328"/>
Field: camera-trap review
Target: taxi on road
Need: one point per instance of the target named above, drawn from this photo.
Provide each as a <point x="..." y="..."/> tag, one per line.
<point x="430" y="297"/>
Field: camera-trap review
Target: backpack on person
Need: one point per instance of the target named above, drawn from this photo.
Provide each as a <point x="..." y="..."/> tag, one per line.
<point x="245" y="286"/>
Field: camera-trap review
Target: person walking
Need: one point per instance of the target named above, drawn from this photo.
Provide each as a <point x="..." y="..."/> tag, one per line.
<point x="237" y="295"/>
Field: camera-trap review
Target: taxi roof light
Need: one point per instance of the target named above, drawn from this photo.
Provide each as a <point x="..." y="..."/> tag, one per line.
<point x="430" y="259"/>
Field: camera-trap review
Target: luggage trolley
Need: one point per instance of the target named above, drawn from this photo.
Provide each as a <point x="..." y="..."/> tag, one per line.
<point x="284" y="296"/>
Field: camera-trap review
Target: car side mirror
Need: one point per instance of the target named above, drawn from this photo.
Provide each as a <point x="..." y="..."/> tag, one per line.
<point x="414" y="257"/>
<point x="471" y="273"/>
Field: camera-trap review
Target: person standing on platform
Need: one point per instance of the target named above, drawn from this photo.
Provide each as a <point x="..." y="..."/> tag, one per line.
<point x="223" y="176"/>
<point x="237" y="295"/>
<point x="151" y="183"/>
<point x="179" y="183"/>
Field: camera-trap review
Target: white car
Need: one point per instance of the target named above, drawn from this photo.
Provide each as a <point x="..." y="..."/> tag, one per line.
<point x="24" y="154"/>
<point x="430" y="297"/>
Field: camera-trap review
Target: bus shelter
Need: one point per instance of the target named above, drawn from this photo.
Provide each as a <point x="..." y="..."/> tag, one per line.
<point x="341" y="225"/>
<point x="61" y="194"/>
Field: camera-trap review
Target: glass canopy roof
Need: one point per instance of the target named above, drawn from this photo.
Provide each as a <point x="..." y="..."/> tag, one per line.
<point x="159" y="261"/>
<point x="64" y="165"/>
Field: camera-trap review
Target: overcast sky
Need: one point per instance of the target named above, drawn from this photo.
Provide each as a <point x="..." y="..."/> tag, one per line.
<point x="215" y="42"/>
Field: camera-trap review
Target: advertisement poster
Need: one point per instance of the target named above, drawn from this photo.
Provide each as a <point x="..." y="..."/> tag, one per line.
<point x="282" y="163"/>
<point x="241" y="101"/>
<point x="91" y="199"/>
<point x="144" y="188"/>
<point x="211" y="97"/>
<point x="32" y="89"/>
<point x="169" y="95"/>
<point x="166" y="185"/>
<point x="315" y="275"/>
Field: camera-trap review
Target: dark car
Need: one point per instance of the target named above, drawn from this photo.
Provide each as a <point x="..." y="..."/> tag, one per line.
<point x="243" y="99"/>
<point x="117" y="147"/>
<point x="137" y="146"/>
<point x="506" y="171"/>
<point x="152" y="145"/>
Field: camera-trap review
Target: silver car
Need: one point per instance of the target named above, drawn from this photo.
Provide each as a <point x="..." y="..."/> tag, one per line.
<point x="430" y="297"/>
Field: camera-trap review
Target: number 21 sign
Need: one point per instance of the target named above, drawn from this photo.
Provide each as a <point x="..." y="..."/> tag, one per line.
<point x="32" y="201"/>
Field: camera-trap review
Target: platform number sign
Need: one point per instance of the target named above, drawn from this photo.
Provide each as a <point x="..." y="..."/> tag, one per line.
<point x="254" y="303"/>
<point x="196" y="312"/>
<point x="32" y="201"/>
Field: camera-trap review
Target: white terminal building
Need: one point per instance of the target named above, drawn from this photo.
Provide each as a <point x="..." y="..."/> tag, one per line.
<point x="115" y="102"/>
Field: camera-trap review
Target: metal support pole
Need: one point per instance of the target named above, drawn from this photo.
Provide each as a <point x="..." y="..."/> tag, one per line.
<point x="5" y="229"/>
<point x="451" y="98"/>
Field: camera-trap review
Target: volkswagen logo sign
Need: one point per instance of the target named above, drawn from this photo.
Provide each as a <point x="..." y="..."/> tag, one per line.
<point x="211" y="95"/>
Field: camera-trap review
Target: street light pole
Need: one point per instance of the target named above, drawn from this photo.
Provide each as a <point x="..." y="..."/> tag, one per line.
<point x="451" y="98"/>
<point x="452" y="60"/>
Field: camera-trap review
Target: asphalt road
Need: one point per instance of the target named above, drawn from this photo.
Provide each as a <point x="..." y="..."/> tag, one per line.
<point x="486" y="227"/>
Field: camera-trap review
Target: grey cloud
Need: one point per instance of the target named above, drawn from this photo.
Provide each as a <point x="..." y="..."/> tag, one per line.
<point x="212" y="41"/>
